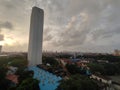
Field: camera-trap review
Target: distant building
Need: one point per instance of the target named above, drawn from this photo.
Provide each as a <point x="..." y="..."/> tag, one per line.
<point x="65" y="61"/>
<point x="11" y="70"/>
<point x="101" y="78"/>
<point x="10" y="75"/>
<point x="13" y="78"/>
<point x="0" y="49"/>
<point x="116" y="52"/>
<point x="102" y="61"/>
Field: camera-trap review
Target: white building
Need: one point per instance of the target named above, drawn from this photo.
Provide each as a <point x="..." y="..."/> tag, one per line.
<point x="35" y="37"/>
<point x="101" y="79"/>
<point x="11" y="70"/>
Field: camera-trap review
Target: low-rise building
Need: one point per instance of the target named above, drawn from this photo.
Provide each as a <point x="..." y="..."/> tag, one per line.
<point x="101" y="78"/>
<point x="11" y="70"/>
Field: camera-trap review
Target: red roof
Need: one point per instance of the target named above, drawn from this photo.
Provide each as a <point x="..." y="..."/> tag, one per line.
<point x="13" y="78"/>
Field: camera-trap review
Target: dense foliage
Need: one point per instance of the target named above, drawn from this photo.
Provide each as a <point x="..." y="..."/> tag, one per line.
<point x="4" y="83"/>
<point x="16" y="61"/>
<point x="110" y="58"/>
<point x="26" y="81"/>
<point x="29" y="84"/>
<point x="78" y="82"/>
<point x="52" y="61"/>
<point x="64" y="56"/>
<point x="73" y="69"/>
<point x="106" y="68"/>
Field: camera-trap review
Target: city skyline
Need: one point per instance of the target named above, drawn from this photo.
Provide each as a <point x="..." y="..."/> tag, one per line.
<point x="79" y="25"/>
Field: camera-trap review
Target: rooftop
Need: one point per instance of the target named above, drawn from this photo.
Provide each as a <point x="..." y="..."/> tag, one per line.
<point x="48" y="81"/>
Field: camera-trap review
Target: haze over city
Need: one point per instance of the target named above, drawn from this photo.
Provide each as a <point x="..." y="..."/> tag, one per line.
<point x="69" y="25"/>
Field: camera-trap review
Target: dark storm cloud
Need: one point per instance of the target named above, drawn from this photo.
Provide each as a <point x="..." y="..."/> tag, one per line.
<point x="7" y="25"/>
<point x="72" y="24"/>
<point x="73" y="33"/>
<point x="98" y="20"/>
<point x="46" y="34"/>
<point x="1" y="37"/>
<point x="105" y="33"/>
<point x="108" y="24"/>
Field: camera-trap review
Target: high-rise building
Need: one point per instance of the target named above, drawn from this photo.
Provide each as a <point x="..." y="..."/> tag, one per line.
<point x="35" y="37"/>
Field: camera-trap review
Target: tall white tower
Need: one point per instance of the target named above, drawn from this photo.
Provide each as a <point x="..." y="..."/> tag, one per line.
<point x="35" y="37"/>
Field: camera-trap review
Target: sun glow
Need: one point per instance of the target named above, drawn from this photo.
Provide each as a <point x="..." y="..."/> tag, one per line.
<point x="2" y="43"/>
<point x="7" y="41"/>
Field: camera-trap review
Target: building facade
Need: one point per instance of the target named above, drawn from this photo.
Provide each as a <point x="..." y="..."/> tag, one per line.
<point x="36" y="37"/>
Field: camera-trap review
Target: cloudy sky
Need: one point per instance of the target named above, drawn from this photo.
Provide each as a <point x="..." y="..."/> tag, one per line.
<point x="69" y="25"/>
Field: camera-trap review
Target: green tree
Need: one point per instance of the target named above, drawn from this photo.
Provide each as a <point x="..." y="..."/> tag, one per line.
<point x="52" y="61"/>
<point x="29" y="84"/>
<point x="94" y="67"/>
<point x="78" y="82"/>
<point x="73" y="69"/>
<point x="4" y="83"/>
<point x="111" y="69"/>
<point x="23" y="74"/>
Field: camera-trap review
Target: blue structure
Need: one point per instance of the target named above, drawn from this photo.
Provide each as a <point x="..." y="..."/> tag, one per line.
<point x="88" y="72"/>
<point x="48" y="81"/>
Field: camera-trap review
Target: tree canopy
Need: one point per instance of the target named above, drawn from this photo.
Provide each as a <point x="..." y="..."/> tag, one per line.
<point x="29" y="84"/>
<point x="78" y="82"/>
<point x="51" y="60"/>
